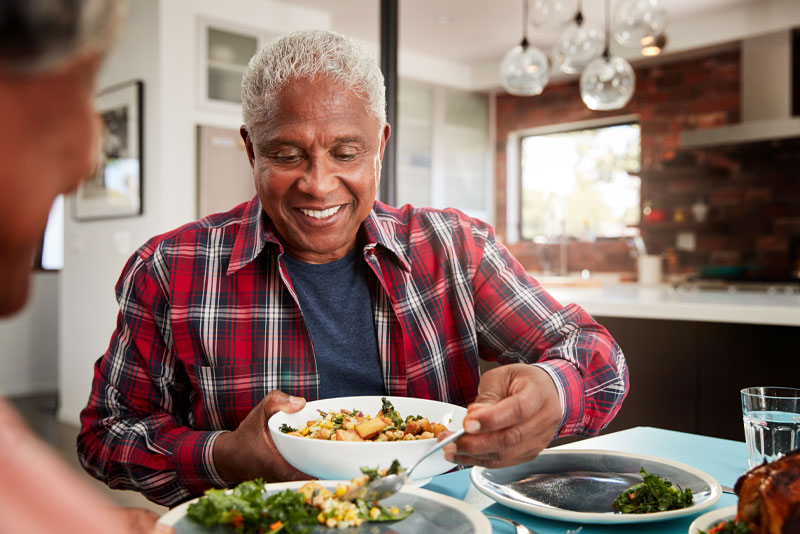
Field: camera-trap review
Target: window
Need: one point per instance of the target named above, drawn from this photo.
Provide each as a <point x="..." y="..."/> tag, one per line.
<point x="582" y="183"/>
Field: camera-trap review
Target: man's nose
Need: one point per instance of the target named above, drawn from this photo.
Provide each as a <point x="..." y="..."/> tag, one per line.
<point x="319" y="178"/>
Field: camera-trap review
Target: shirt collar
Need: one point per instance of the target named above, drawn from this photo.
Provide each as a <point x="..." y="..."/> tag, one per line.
<point x="256" y="231"/>
<point x="381" y="227"/>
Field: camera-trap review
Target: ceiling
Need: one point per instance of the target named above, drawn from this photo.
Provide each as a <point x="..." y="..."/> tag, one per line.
<point x="477" y="33"/>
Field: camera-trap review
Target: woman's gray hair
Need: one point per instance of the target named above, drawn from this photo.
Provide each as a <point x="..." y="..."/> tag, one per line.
<point x="308" y="54"/>
<point x="39" y="35"/>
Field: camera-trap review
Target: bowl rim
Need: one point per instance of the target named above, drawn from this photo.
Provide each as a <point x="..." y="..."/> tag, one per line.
<point x="272" y="421"/>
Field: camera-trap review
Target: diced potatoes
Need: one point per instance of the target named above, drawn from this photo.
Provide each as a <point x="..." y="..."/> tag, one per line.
<point x="353" y="425"/>
<point x="370" y="429"/>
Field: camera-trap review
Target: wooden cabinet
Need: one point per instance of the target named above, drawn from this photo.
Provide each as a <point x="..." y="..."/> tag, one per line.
<point x="686" y="375"/>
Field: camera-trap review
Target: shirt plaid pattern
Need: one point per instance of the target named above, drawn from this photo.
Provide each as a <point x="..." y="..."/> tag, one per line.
<point x="209" y="324"/>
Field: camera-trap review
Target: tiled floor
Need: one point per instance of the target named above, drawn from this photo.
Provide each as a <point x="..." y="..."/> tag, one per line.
<point x="40" y="412"/>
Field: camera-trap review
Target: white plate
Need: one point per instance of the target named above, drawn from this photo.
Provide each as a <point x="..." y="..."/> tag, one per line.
<point x="434" y="513"/>
<point x="580" y="485"/>
<point x="712" y="519"/>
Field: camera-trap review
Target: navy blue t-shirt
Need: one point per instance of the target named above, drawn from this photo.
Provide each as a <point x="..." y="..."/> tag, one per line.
<point x="337" y="307"/>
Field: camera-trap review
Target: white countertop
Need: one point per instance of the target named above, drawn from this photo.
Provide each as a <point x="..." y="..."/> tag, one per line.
<point x="663" y="302"/>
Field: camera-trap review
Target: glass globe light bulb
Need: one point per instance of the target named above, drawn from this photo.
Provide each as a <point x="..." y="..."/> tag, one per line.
<point x="638" y="22"/>
<point x="552" y="12"/>
<point x="577" y="45"/>
<point x="607" y="83"/>
<point x="524" y="71"/>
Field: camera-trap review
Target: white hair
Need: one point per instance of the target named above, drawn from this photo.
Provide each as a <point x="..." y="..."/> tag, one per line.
<point x="39" y="35"/>
<point x="310" y="54"/>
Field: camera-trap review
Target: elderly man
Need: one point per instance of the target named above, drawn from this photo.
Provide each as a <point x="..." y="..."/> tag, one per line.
<point x="313" y="289"/>
<point x="50" y="52"/>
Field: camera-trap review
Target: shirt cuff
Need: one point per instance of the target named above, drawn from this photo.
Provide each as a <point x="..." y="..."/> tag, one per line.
<point x="194" y="461"/>
<point x="569" y="385"/>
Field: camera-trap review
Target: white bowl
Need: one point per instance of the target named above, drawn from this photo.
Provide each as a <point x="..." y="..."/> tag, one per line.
<point x="342" y="460"/>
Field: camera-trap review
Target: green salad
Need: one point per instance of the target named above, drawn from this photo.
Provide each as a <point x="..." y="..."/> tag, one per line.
<point x="654" y="494"/>
<point x="249" y="509"/>
<point x="729" y="527"/>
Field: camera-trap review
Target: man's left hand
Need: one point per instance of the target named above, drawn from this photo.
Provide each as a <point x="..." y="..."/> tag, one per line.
<point x="514" y="417"/>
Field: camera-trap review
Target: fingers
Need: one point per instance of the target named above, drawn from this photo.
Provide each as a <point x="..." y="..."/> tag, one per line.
<point x="278" y="401"/>
<point x="162" y="529"/>
<point x="515" y="416"/>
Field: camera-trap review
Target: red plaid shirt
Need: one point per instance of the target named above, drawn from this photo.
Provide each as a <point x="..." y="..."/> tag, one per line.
<point x="209" y="324"/>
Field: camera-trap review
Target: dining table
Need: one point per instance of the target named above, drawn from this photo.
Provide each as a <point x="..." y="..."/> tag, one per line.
<point x="723" y="459"/>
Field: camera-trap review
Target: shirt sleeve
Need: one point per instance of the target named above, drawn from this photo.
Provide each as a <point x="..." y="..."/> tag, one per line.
<point x="135" y="432"/>
<point x="518" y="321"/>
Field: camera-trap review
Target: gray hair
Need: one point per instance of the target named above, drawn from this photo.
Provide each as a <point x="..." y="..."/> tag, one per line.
<point x="39" y="35"/>
<point x="307" y="54"/>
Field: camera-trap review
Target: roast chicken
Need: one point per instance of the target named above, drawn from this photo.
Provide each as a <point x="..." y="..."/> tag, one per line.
<point x="769" y="496"/>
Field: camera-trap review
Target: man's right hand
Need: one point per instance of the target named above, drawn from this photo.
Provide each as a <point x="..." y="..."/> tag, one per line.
<point x="249" y="452"/>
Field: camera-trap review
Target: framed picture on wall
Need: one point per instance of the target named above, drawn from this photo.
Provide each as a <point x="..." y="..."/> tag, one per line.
<point x="115" y="189"/>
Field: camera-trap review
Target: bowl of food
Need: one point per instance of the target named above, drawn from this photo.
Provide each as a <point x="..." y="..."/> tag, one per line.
<point x="332" y="439"/>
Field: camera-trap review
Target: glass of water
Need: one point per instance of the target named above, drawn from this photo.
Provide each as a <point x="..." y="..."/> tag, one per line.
<point x="771" y="422"/>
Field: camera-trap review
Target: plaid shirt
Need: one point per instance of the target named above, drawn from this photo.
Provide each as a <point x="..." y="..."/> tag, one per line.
<point x="209" y="324"/>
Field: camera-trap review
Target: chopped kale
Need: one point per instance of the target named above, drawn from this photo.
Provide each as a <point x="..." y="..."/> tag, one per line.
<point x="388" y="410"/>
<point x="654" y="494"/>
<point x="286" y="428"/>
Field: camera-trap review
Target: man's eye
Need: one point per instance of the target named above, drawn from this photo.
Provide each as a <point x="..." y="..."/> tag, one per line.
<point x="345" y="156"/>
<point x="284" y="157"/>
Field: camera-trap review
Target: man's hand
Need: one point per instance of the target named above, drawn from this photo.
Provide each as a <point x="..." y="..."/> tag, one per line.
<point x="514" y="417"/>
<point x="248" y="452"/>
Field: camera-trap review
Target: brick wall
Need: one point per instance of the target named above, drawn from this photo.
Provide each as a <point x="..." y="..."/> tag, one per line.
<point x="753" y="192"/>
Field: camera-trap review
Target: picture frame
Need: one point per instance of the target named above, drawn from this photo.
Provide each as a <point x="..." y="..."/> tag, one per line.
<point x="115" y="189"/>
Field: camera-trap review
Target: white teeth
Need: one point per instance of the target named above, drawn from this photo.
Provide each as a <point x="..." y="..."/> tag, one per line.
<point x="324" y="214"/>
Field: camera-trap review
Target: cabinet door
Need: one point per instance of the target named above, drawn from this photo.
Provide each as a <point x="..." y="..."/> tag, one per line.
<point x="223" y="54"/>
<point x="662" y="363"/>
<point x="223" y="172"/>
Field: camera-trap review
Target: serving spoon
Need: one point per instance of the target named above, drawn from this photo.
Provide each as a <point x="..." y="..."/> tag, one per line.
<point x="383" y="487"/>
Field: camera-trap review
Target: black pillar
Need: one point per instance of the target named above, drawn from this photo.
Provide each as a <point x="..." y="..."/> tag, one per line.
<point x="389" y="17"/>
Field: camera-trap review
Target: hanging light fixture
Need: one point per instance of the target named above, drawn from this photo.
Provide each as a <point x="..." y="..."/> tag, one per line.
<point x="547" y="12"/>
<point x="524" y="70"/>
<point x="577" y="45"/>
<point x="656" y="47"/>
<point x="607" y="82"/>
<point x="638" y="23"/>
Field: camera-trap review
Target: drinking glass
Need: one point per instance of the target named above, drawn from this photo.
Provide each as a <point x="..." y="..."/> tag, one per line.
<point x="771" y="422"/>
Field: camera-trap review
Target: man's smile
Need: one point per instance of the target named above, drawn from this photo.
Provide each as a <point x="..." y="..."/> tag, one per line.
<point x="321" y="214"/>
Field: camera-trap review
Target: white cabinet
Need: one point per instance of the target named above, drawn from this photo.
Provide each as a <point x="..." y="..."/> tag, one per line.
<point x="223" y="54"/>
<point x="443" y="149"/>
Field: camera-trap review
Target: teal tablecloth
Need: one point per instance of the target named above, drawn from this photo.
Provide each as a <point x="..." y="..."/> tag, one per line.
<point x="723" y="459"/>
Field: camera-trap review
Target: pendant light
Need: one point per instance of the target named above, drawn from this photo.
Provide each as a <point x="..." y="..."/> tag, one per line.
<point x="577" y="45"/>
<point x="607" y="82"/>
<point x="524" y="70"/>
<point x="638" y="23"/>
<point x="656" y="47"/>
<point x="552" y="12"/>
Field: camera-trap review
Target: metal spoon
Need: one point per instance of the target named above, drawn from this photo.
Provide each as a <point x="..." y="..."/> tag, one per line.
<point x="518" y="527"/>
<point x="380" y="488"/>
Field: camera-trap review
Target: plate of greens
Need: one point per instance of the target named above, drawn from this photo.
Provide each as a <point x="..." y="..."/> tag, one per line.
<point x="254" y="507"/>
<point x="599" y="486"/>
<point x="709" y="522"/>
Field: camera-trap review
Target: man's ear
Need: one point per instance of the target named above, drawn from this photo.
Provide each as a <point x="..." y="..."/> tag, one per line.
<point x="248" y="144"/>
<point x="387" y="131"/>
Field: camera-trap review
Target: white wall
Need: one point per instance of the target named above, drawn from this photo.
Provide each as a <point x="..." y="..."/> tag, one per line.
<point x="158" y="45"/>
<point x="29" y="341"/>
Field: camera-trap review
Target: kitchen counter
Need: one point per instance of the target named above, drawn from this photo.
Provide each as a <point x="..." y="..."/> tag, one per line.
<point x="663" y="302"/>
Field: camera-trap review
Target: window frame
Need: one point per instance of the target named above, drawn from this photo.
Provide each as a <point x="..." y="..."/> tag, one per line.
<point x="514" y="162"/>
